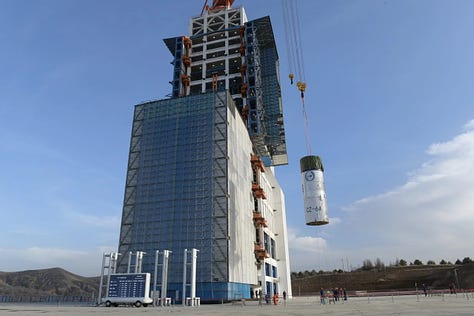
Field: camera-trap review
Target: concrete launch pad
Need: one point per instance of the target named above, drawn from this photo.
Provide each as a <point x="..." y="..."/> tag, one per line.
<point x="388" y="305"/>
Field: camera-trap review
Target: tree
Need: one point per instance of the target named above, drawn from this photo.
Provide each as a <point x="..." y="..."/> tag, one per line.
<point x="458" y="261"/>
<point x="431" y="262"/>
<point x="466" y="260"/>
<point x="379" y="265"/>
<point x="417" y="262"/>
<point x="402" y="263"/>
<point x="367" y="265"/>
<point x="443" y="262"/>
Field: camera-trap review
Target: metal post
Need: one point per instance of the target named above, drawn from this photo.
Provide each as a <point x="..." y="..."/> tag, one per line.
<point x="164" y="277"/>
<point x="101" y="278"/>
<point x="141" y="262"/>
<point x="193" y="275"/>
<point x="185" y="259"/>
<point x="136" y="261"/>
<point x="112" y="255"/>
<point x="114" y="265"/>
<point x="129" y="261"/>
<point x="155" y="277"/>
<point x="456" y="277"/>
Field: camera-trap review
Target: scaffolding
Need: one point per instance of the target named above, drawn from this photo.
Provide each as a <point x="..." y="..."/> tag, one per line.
<point x="180" y="191"/>
<point x="176" y="193"/>
<point x="273" y="150"/>
<point x="258" y="97"/>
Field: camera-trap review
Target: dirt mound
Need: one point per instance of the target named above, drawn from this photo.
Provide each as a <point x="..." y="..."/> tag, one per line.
<point x="59" y="282"/>
<point x="55" y="281"/>
<point x="390" y="278"/>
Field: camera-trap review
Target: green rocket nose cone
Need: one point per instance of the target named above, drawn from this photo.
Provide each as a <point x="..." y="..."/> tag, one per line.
<point x="311" y="163"/>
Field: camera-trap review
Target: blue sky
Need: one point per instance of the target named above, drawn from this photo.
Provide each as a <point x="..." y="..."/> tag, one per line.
<point x="390" y="102"/>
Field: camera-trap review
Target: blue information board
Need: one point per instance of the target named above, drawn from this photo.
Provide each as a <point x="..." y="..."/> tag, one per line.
<point x="128" y="285"/>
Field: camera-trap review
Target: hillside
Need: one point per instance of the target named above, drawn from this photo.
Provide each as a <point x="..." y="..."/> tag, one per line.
<point x="42" y="285"/>
<point x="391" y="278"/>
<point x="46" y="283"/>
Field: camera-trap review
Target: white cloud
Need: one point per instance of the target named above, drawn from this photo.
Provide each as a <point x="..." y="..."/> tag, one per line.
<point x="111" y="222"/>
<point x="430" y="216"/>
<point x="469" y="125"/>
<point x="85" y="263"/>
<point x="334" y="221"/>
<point x="303" y="250"/>
<point x="14" y="142"/>
<point x="307" y="244"/>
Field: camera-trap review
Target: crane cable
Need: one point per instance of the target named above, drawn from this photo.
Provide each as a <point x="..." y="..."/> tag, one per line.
<point x="289" y="42"/>
<point x="291" y="21"/>
<point x="306" y="131"/>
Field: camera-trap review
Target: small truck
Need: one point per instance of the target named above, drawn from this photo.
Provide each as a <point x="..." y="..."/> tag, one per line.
<point x="128" y="289"/>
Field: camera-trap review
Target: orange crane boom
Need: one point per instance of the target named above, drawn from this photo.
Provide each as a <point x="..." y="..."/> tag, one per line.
<point x="217" y="5"/>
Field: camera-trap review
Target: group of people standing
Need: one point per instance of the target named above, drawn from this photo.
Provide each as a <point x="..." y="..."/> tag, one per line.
<point x="332" y="295"/>
<point x="267" y="297"/>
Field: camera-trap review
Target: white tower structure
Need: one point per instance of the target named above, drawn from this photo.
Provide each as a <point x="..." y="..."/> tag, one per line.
<point x="201" y="163"/>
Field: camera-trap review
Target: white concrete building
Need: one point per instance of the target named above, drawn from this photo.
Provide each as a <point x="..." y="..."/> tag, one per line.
<point x="201" y="164"/>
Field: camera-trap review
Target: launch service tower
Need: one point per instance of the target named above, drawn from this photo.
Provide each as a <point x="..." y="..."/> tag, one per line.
<point x="201" y="163"/>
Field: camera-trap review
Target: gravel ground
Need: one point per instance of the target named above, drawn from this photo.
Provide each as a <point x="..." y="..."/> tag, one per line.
<point x="442" y="305"/>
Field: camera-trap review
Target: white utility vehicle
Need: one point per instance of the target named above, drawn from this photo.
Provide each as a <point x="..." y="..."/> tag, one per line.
<point x="128" y="289"/>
